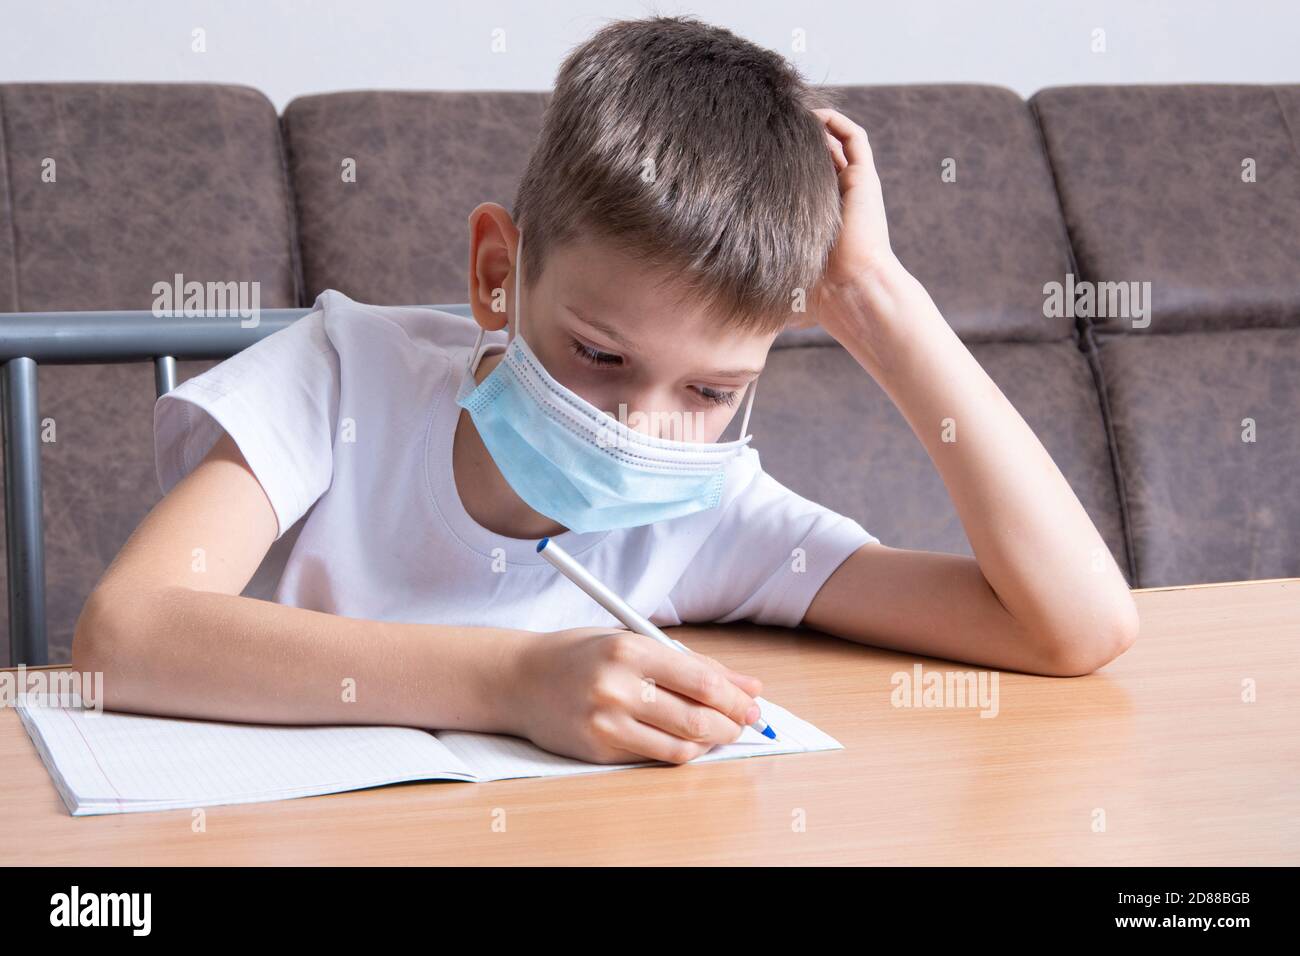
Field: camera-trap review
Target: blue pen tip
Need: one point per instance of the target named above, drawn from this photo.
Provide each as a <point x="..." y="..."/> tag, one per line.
<point x="541" y="544"/>
<point x="769" y="732"/>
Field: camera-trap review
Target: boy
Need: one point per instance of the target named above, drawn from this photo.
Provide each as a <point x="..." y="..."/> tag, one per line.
<point x="685" y="200"/>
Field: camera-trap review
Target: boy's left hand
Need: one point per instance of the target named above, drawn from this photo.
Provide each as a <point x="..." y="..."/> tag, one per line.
<point x="862" y="248"/>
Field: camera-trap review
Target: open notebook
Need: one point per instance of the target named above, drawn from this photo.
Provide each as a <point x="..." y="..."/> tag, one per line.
<point x="124" y="763"/>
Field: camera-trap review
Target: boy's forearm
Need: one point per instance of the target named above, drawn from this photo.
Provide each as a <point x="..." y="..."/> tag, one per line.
<point x="208" y="655"/>
<point x="1035" y="544"/>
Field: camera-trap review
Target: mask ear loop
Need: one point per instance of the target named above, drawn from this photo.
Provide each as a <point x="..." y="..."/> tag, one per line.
<point x="519" y="268"/>
<point x="749" y="404"/>
<point x="472" y="367"/>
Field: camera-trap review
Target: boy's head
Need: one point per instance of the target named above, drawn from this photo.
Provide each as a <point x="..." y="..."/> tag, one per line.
<point x="679" y="207"/>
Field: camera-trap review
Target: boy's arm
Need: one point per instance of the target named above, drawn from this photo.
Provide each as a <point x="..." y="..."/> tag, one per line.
<point x="169" y="630"/>
<point x="1043" y="593"/>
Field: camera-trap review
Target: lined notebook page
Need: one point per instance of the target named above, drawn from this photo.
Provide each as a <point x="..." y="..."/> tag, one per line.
<point x="119" y="763"/>
<point x="495" y="757"/>
<point x="123" y="763"/>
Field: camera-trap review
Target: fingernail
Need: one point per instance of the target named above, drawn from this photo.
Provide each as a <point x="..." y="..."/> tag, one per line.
<point x="751" y="715"/>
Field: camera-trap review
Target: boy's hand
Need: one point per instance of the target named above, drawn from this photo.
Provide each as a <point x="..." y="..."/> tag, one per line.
<point x="862" y="248"/>
<point x="611" y="696"/>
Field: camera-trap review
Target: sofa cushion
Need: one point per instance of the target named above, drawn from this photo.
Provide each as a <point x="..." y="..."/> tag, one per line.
<point x="151" y="180"/>
<point x="985" y="244"/>
<point x="1204" y="503"/>
<point x="824" y="428"/>
<point x="1150" y="179"/>
<point x="397" y="235"/>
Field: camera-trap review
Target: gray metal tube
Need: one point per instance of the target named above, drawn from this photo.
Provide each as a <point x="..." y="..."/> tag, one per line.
<point x="70" y="338"/>
<point x="164" y="374"/>
<point x="25" y="539"/>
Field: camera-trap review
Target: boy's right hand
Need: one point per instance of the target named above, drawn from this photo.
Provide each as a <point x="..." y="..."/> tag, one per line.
<point x="607" y="695"/>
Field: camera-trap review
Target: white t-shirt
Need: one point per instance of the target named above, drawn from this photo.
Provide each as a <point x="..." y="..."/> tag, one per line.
<point x="346" y="418"/>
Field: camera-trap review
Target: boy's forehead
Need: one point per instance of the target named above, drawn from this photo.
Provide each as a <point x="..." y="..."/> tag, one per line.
<point x="605" y="271"/>
<point x="632" y="322"/>
<point x="615" y="292"/>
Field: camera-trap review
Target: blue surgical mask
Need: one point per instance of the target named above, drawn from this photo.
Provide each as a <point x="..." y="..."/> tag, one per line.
<point x="573" y="463"/>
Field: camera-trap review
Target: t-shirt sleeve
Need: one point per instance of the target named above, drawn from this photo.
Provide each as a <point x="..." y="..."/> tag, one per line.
<point x="278" y="400"/>
<point x="766" y="559"/>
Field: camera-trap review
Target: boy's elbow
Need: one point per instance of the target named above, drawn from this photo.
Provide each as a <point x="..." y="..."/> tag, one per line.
<point x="1078" y="655"/>
<point x="94" y="638"/>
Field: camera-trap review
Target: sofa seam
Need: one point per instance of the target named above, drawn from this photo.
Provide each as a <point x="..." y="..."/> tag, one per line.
<point x="1093" y="356"/>
<point x="1087" y="344"/>
<point x="1009" y="340"/>
<point x="1073" y="260"/>
<point x="1286" y="123"/>
<point x="285" y="149"/>
<point x="9" y="196"/>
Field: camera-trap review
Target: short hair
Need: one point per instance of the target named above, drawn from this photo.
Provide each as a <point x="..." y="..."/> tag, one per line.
<point x="743" y="206"/>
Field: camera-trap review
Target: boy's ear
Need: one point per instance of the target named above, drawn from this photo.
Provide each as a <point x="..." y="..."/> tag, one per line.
<point x="491" y="233"/>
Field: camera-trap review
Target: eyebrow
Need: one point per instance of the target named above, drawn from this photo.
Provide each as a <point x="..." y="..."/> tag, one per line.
<point x="618" y="337"/>
<point x="609" y="330"/>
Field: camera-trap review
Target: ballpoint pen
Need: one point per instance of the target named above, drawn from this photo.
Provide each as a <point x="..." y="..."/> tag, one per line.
<point x="579" y="575"/>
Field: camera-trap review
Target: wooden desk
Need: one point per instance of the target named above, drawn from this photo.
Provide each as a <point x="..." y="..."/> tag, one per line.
<point x="1160" y="741"/>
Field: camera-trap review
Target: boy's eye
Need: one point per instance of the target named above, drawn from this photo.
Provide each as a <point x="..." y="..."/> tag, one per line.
<point x="718" y="398"/>
<point x="593" y="356"/>
<point x="596" y="357"/>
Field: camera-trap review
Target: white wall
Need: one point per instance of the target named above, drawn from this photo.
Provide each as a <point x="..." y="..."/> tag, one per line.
<point x="287" y="48"/>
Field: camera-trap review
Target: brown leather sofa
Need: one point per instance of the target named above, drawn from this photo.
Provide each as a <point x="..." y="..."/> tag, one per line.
<point x="1178" y="428"/>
